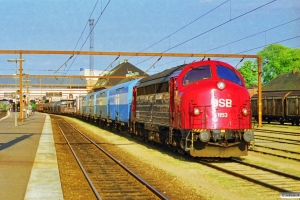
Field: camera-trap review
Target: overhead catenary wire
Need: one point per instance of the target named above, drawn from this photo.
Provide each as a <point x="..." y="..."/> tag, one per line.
<point x="219" y="25"/>
<point x="90" y="32"/>
<point x="185" y="25"/>
<point x="152" y="66"/>
<point x="245" y="51"/>
<point x="251" y="35"/>
<point x="262" y="46"/>
<point x="85" y="25"/>
<point x="238" y="40"/>
<point x="222" y="24"/>
<point x="287" y="39"/>
<point x="79" y="37"/>
<point x="239" y="63"/>
<point x="109" y="65"/>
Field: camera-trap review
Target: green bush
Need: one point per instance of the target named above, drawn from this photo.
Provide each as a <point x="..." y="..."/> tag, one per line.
<point x="4" y="106"/>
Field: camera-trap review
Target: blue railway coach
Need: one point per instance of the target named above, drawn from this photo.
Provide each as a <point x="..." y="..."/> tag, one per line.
<point x="101" y="106"/>
<point x="119" y="103"/>
<point x="86" y="107"/>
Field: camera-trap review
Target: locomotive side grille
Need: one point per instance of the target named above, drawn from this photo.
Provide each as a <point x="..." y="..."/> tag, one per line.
<point x="153" y="109"/>
<point x="143" y="113"/>
<point x="160" y="114"/>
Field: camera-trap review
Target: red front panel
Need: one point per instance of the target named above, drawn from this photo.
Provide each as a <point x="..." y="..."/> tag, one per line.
<point x="218" y="108"/>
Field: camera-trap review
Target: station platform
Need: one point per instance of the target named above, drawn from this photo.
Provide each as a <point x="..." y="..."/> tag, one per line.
<point x="28" y="162"/>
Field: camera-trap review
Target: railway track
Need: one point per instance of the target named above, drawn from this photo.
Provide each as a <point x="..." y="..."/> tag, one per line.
<point x="277" y="132"/>
<point x="273" y="147"/>
<point x="269" y="178"/>
<point x="283" y="155"/>
<point x="277" y="139"/>
<point x="108" y="178"/>
<point x="277" y="143"/>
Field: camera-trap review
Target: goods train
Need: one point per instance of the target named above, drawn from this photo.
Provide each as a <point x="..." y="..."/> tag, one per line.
<point x="202" y="108"/>
<point x="281" y="106"/>
<point x="66" y="107"/>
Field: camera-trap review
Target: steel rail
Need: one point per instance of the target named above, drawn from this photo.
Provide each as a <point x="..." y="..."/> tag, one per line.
<point x="272" y="148"/>
<point x="155" y="191"/>
<point x="245" y="177"/>
<point x="268" y="169"/>
<point x="80" y="165"/>
<point x="273" y="154"/>
<point x="276" y="139"/>
<point x="277" y="132"/>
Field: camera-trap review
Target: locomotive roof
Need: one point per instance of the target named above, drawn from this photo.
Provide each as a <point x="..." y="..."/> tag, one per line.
<point x="162" y="76"/>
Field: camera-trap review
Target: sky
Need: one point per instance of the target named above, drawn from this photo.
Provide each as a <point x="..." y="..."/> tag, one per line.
<point x="176" y="26"/>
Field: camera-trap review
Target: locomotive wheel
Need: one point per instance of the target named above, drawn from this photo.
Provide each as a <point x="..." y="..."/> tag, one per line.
<point x="198" y="145"/>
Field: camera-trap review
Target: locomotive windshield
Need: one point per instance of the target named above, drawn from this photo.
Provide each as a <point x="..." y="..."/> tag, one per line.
<point x="196" y="74"/>
<point x="228" y="74"/>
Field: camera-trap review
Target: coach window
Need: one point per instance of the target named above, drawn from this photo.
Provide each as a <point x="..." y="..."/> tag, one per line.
<point x="228" y="74"/>
<point x="196" y="74"/>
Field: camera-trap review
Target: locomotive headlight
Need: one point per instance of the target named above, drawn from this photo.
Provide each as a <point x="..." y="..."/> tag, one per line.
<point x="248" y="136"/>
<point x="196" y="111"/>
<point x="221" y="85"/>
<point x="245" y="111"/>
<point x="204" y="136"/>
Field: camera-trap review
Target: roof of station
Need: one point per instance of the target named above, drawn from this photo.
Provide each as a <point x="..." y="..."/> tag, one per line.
<point x="288" y="81"/>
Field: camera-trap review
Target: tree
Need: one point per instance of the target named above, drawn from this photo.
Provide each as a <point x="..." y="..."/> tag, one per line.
<point x="249" y="72"/>
<point x="276" y="59"/>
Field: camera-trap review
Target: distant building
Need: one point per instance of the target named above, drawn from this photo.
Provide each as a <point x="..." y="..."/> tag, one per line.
<point x="87" y="72"/>
<point x="252" y="90"/>
<point x="90" y="82"/>
<point x="125" y="68"/>
<point x="288" y="81"/>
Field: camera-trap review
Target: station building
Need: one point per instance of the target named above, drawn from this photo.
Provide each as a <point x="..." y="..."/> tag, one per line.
<point x="42" y="87"/>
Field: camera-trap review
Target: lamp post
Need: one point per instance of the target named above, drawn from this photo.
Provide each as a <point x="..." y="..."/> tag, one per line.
<point x="16" y="123"/>
<point x="27" y="86"/>
<point x="21" y="82"/>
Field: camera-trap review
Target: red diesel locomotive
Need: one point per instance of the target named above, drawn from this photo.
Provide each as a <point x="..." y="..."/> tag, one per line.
<point x="202" y="108"/>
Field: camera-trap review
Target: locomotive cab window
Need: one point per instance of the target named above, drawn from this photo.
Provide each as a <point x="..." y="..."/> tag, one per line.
<point x="196" y="74"/>
<point x="228" y="74"/>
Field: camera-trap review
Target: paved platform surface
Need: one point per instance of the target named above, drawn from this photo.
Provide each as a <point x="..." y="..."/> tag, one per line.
<point x="28" y="162"/>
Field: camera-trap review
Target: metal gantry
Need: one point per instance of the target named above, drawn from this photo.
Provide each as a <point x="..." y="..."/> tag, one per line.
<point x="153" y="54"/>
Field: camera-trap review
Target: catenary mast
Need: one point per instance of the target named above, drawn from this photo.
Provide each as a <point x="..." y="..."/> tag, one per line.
<point x="91" y="46"/>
